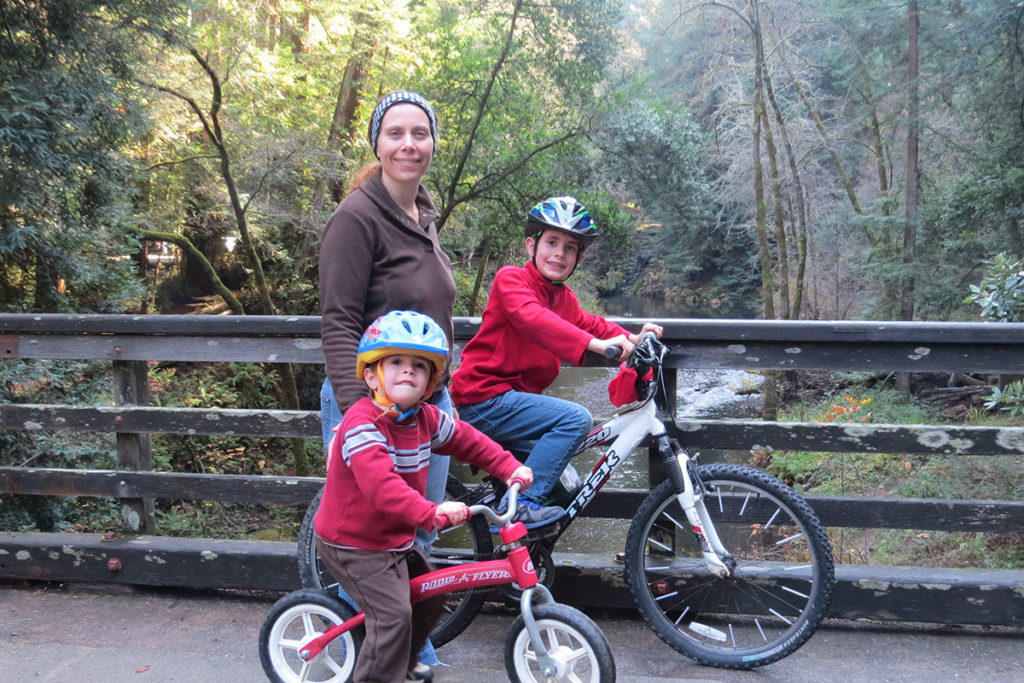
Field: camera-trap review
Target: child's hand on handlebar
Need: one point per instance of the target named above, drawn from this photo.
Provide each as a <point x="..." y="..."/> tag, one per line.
<point x="523" y="475"/>
<point x="450" y="513"/>
<point x="648" y="327"/>
<point x="622" y="342"/>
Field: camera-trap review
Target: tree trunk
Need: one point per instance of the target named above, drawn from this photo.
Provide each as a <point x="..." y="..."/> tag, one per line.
<point x="906" y="295"/>
<point x="913" y="172"/>
<point x="342" y="133"/>
<point x="798" y="218"/>
<point x="478" y="283"/>
<point x="210" y="121"/>
<point x="782" y="255"/>
<point x="769" y="389"/>
<point x="448" y="202"/>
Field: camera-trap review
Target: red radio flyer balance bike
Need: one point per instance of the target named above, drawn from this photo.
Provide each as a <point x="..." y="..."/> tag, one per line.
<point x="313" y="635"/>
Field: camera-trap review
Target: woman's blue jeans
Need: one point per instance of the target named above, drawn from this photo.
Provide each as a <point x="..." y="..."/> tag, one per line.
<point x="544" y="429"/>
<point x="437" y="480"/>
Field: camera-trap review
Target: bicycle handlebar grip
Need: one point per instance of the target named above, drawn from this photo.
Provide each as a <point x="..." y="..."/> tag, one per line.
<point x="612" y="352"/>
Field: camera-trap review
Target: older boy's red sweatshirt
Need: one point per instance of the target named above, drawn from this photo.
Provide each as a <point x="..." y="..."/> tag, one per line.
<point x="530" y="326"/>
<point x="377" y="473"/>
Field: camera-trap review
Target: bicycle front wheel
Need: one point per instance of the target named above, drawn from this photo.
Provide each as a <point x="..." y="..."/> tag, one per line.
<point x="470" y="542"/>
<point x="578" y="649"/>
<point x="780" y="585"/>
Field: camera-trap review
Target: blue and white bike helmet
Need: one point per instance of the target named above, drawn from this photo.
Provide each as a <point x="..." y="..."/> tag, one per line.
<point x="564" y="214"/>
<point x="404" y="332"/>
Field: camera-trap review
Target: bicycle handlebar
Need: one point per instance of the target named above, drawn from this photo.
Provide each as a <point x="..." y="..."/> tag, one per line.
<point x="613" y="352"/>
<point x="441" y="521"/>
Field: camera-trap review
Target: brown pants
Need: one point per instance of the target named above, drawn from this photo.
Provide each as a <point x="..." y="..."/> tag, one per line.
<point x="395" y="629"/>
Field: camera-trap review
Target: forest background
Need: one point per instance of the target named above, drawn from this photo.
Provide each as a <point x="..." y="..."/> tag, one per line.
<point x="790" y="159"/>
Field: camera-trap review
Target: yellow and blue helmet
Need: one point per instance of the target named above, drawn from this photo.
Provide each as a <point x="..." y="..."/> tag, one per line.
<point x="406" y="332"/>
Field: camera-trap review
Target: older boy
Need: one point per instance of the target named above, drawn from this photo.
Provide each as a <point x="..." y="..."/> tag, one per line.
<point x="531" y="324"/>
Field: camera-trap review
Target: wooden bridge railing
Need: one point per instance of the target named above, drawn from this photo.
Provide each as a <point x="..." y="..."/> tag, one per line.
<point x="863" y="591"/>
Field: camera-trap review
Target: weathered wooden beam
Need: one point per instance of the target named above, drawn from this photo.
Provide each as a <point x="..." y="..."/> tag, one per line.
<point x="191" y="348"/>
<point x="876" y="357"/>
<point x="953" y="596"/>
<point x="686" y="353"/>
<point x="210" y="421"/>
<point x="610" y="503"/>
<point x="239" y="488"/>
<point x="877" y="593"/>
<point x="919" y="514"/>
<point x="134" y="449"/>
<point x="696" y="343"/>
<point x="157" y="325"/>
<point x="742" y="435"/>
<point x="851" y="437"/>
<point x="788" y="331"/>
<point x="149" y="561"/>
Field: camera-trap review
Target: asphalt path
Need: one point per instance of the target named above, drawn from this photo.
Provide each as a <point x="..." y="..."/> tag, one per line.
<point x="79" y="633"/>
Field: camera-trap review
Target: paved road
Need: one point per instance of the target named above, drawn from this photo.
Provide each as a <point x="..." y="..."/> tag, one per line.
<point x="114" y="634"/>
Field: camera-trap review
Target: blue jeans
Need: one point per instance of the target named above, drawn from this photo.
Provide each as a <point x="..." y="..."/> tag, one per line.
<point x="545" y="429"/>
<point x="437" y="480"/>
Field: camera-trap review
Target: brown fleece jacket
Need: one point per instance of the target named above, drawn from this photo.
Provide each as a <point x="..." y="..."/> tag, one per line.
<point x="375" y="259"/>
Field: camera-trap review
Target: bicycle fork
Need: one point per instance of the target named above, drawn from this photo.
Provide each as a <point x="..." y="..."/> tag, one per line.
<point x="526" y="577"/>
<point x="690" y="494"/>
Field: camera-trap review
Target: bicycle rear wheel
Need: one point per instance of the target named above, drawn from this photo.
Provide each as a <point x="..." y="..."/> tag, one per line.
<point x="777" y="594"/>
<point x="470" y="542"/>
<point x="296" y="619"/>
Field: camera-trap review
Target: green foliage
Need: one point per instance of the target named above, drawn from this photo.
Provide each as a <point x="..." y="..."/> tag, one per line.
<point x="66" y="107"/>
<point x="1001" y="291"/>
<point x="842" y="473"/>
<point x="947" y="549"/>
<point x="957" y="478"/>
<point x="211" y="519"/>
<point x="220" y="385"/>
<point x="44" y="381"/>
<point x="1009" y="399"/>
<point x="899" y="475"/>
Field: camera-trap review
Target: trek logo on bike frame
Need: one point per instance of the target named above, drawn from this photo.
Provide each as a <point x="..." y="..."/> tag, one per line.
<point x="594" y="482"/>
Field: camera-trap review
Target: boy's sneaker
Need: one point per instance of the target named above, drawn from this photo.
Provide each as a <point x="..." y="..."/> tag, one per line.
<point x="534" y="515"/>
<point x="420" y="672"/>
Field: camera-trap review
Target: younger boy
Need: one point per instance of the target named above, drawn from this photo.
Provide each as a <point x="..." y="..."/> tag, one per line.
<point x="531" y="324"/>
<point x="373" y="499"/>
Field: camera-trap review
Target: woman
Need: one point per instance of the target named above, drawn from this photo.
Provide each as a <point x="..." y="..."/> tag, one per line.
<point x="380" y="253"/>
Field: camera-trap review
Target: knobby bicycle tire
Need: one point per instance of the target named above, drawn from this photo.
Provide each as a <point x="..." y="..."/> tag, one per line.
<point x="470" y="542"/>
<point x="779" y="589"/>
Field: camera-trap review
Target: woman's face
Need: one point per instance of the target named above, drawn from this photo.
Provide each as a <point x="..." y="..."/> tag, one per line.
<point x="405" y="146"/>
